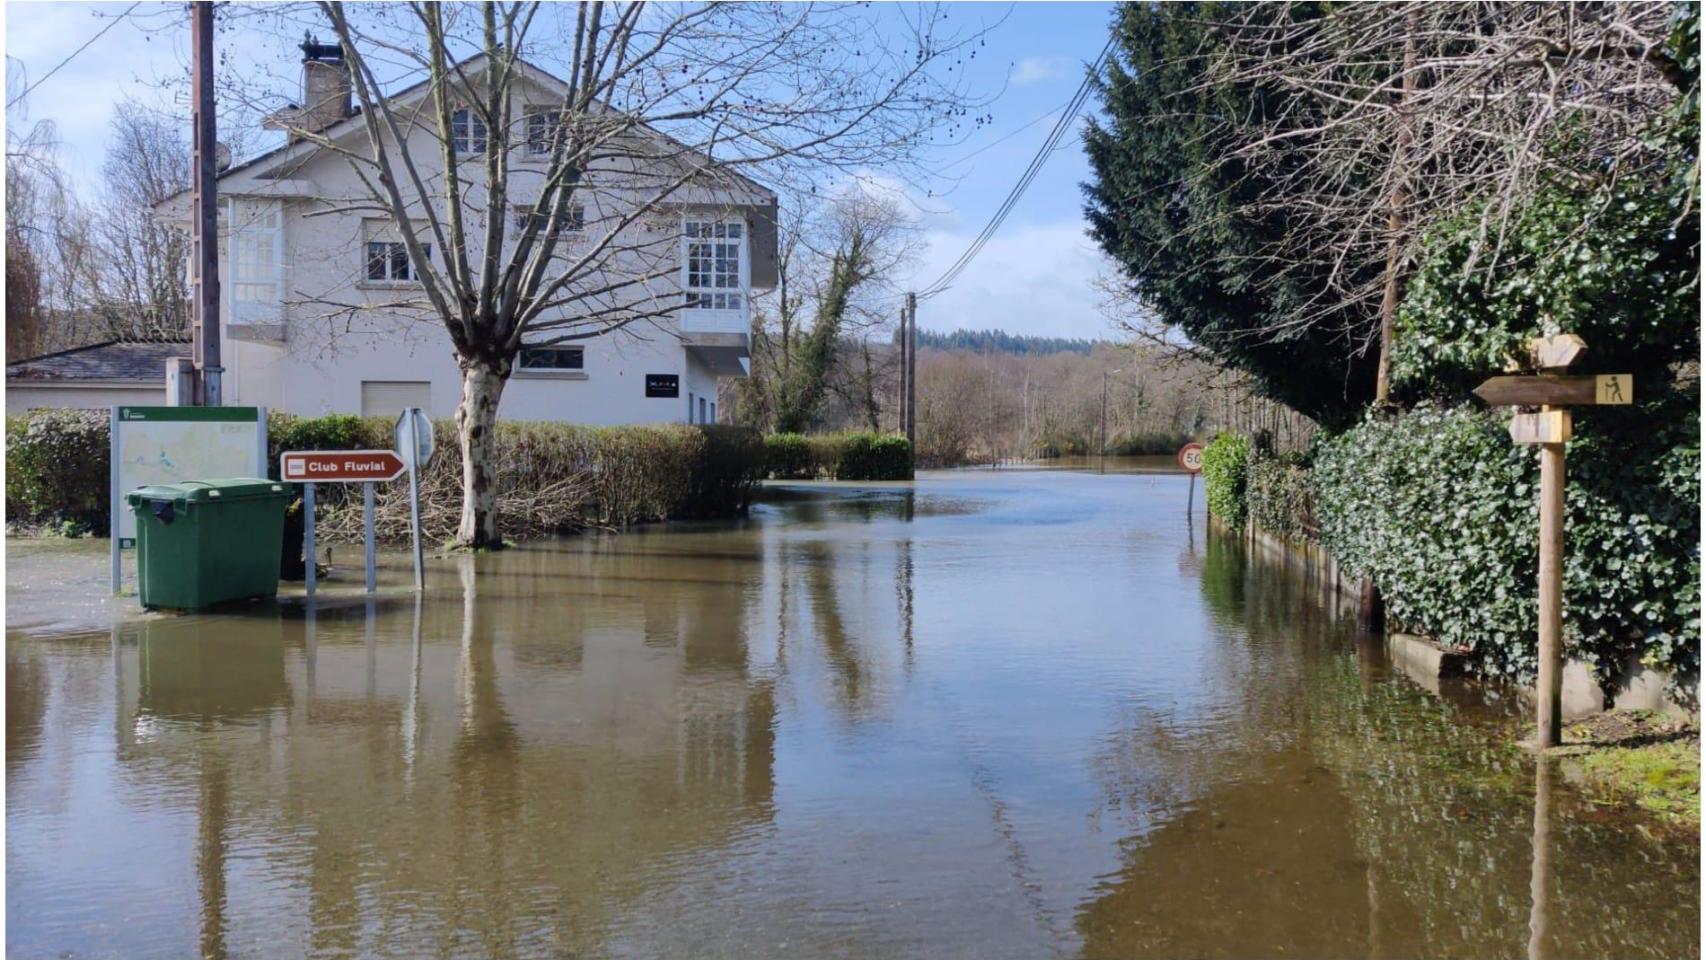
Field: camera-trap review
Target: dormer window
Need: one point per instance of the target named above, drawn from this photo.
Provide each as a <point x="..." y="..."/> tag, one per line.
<point x="467" y="133"/>
<point x="542" y="127"/>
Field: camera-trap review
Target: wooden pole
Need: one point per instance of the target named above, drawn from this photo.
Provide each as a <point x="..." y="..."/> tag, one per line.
<point x="205" y="223"/>
<point x="912" y="371"/>
<point x="1550" y="683"/>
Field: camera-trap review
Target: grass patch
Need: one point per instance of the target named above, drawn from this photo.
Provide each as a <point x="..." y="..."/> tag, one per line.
<point x="1638" y="758"/>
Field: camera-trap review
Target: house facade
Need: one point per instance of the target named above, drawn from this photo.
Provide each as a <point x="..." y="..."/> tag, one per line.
<point x="319" y="313"/>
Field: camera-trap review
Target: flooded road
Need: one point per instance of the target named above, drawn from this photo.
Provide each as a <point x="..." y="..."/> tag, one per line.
<point x="1017" y="713"/>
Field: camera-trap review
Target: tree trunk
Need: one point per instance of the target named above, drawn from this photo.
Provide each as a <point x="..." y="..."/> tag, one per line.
<point x="476" y="419"/>
<point x="1395" y="222"/>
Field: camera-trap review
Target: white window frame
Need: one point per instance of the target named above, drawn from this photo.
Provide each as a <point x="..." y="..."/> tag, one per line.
<point x="692" y="224"/>
<point x="462" y="143"/>
<point x="375" y="230"/>
<point x="530" y="148"/>
<point x="255" y="280"/>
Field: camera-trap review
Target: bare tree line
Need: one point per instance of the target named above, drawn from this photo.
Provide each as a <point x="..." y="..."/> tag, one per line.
<point x="87" y="269"/>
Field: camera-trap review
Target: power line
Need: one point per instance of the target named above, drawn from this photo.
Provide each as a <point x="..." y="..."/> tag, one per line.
<point x="1025" y="179"/>
<point x="98" y="35"/>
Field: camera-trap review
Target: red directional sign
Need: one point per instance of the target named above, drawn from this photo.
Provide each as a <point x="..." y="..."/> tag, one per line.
<point x="340" y="466"/>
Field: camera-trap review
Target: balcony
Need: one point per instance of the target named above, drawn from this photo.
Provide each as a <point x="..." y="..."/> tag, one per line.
<point x="719" y="338"/>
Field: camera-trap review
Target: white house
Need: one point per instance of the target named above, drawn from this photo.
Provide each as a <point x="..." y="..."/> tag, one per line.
<point x="320" y="315"/>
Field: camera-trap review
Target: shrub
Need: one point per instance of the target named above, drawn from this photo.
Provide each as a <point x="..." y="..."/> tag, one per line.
<point x="1277" y="497"/>
<point x="871" y="456"/>
<point x="837" y="456"/>
<point x="1619" y="269"/>
<point x="788" y="456"/>
<point x="58" y="465"/>
<point x="1225" y="469"/>
<point x="1440" y="509"/>
<point x="552" y="477"/>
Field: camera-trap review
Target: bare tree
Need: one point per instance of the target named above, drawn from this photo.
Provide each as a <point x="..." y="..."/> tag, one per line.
<point x="661" y="104"/>
<point x="50" y="259"/>
<point x="142" y="283"/>
<point x="1371" y="122"/>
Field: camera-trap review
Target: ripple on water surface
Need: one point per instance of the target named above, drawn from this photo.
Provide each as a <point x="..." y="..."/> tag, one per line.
<point x="993" y="714"/>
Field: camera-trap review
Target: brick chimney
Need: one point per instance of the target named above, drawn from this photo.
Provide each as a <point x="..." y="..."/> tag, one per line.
<point x="325" y="91"/>
<point x="325" y="85"/>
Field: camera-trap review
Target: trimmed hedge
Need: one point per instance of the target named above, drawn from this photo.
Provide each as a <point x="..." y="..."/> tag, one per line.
<point x="1225" y="476"/>
<point x="58" y="464"/>
<point x="1440" y="509"/>
<point x="837" y="456"/>
<point x="1277" y="498"/>
<point x="557" y="476"/>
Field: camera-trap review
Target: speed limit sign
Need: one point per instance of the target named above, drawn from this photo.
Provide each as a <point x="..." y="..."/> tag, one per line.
<point x="1190" y="458"/>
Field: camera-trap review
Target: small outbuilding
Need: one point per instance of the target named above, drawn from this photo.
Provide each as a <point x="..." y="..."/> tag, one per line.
<point x="94" y="377"/>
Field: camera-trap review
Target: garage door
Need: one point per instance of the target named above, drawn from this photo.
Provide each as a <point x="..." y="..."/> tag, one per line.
<point x="387" y="398"/>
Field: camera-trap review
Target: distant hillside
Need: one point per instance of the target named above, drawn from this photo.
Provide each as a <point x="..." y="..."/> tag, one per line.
<point x="998" y="341"/>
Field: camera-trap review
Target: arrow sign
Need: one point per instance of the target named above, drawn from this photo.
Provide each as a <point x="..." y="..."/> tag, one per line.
<point x="340" y="466"/>
<point x="1551" y="426"/>
<point x="1555" y="353"/>
<point x="1555" y="390"/>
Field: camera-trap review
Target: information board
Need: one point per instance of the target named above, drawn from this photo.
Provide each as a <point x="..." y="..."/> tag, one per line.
<point x="170" y="444"/>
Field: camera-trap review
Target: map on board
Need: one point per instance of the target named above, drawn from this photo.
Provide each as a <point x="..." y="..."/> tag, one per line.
<point x="172" y="444"/>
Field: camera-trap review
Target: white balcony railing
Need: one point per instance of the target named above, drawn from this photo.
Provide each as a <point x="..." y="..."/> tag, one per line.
<point x="701" y="320"/>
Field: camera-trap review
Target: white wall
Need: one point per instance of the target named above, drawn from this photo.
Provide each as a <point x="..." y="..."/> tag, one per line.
<point x="21" y="397"/>
<point x="341" y="330"/>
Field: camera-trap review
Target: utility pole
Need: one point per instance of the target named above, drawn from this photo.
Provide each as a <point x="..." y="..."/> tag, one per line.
<point x="911" y="336"/>
<point x="205" y="200"/>
<point x="900" y="405"/>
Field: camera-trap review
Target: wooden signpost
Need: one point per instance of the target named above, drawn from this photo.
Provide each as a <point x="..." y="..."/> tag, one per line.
<point x="1549" y="429"/>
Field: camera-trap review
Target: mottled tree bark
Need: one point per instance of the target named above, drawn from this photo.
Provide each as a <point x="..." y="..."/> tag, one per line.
<point x="476" y="421"/>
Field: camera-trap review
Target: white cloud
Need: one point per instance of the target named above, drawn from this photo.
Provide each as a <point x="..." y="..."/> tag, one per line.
<point x="1037" y="69"/>
<point x="1036" y="279"/>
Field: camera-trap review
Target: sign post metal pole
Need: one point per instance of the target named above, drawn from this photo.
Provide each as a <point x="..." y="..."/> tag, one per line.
<point x="114" y="503"/>
<point x="417" y="452"/>
<point x="1190" y="461"/>
<point x="308" y="533"/>
<point x="367" y="518"/>
<point x="415" y="522"/>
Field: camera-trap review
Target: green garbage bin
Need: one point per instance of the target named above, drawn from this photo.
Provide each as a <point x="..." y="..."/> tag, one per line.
<point x="202" y="542"/>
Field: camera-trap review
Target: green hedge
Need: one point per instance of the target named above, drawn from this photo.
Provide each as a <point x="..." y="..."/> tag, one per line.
<point x="837" y="456"/>
<point x="58" y="467"/>
<point x="1440" y="509"/>
<point x="1277" y="498"/>
<point x="1225" y="476"/>
<point x="566" y="475"/>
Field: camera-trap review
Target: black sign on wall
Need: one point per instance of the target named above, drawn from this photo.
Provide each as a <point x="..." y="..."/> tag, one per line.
<point x="663" y="385"/>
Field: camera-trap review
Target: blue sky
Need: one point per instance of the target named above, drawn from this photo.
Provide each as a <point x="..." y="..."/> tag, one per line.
<point x="1035" y="277"/>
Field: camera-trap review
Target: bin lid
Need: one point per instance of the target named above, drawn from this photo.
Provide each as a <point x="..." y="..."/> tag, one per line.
<point x="208" y="491"/>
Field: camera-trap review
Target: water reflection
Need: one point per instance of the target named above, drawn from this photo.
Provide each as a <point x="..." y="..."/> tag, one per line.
<point x="1001" y="714"/>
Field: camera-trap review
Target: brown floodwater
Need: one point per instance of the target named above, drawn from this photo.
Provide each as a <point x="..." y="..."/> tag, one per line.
<point x="1013" y="713"/>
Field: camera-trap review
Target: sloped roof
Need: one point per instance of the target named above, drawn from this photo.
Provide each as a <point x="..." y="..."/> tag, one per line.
<point x="303" y="149"/>
<point x="112" y="360"/>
